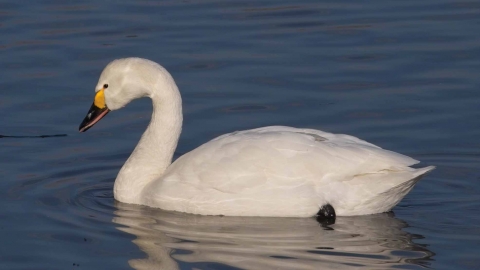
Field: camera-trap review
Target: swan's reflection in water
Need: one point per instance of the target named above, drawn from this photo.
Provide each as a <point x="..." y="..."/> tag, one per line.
<point x="172" y="239"/>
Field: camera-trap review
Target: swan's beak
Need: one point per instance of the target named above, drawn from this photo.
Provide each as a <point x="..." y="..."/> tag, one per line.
<point x="97" y="111"/>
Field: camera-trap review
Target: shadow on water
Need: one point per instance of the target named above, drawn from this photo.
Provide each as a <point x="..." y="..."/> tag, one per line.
<point x="174" y="240"/>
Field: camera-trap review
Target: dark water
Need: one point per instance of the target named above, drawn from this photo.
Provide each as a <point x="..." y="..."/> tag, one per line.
<point x="401" y="74"/>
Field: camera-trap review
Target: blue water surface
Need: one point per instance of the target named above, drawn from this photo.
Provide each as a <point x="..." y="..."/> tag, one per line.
<point x="400" y="74"/>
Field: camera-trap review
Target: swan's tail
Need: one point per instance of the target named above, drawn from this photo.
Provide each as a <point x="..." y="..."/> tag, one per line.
<point x="406" y="186"/>
<point x="423" y="171"/>
<point x="394" y="195"/>
<point x="385" y="190"/>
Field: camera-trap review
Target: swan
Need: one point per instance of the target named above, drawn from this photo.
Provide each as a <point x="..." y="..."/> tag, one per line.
<point x="274" y="171"/>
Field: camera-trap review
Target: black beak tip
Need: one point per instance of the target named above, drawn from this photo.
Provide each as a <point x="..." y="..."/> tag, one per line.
<point x="93" y="116"/>
<point x="84" y="125"/>
<point x="82" y="129"/>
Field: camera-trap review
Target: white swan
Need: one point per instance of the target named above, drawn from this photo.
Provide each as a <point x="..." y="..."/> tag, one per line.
<point x="269" y="171"/>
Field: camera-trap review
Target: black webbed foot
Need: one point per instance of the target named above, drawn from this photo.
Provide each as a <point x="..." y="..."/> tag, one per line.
<point x="326" y="215"/>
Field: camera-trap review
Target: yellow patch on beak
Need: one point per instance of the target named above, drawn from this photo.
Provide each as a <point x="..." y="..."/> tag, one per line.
<point x="100" y="99"/>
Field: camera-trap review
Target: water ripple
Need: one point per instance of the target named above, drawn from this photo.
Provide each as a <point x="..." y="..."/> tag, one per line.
<point x="400" y="74"/>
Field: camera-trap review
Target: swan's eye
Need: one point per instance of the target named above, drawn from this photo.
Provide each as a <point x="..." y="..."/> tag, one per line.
<point x="105" y="86"/>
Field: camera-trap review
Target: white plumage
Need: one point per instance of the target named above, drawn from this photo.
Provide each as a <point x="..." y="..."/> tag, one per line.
<point x="270" y="171"/>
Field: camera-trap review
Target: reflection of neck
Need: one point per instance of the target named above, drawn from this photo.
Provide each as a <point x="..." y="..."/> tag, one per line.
<point x="153" y="154"/>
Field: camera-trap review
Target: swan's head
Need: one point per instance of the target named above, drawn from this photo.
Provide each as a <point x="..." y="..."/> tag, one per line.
<point x="122" y="81"/>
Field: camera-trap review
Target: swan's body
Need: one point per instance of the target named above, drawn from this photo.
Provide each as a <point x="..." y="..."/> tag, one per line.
<point x="270" y="171"/>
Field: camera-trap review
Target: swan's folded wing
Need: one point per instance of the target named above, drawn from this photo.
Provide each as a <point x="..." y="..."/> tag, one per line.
<point x="280" y="157"/>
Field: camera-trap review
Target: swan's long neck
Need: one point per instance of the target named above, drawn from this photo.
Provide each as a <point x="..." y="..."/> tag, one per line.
<point x="154" y="153"/>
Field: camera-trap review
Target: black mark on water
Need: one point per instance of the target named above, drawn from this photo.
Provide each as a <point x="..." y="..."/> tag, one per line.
<point x="34" y="136"/>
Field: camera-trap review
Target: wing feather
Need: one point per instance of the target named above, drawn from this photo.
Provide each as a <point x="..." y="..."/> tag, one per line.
<point x="244" y="160"/>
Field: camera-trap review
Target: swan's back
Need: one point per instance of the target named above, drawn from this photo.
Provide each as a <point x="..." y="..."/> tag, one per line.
<point x="284" y="171"/>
